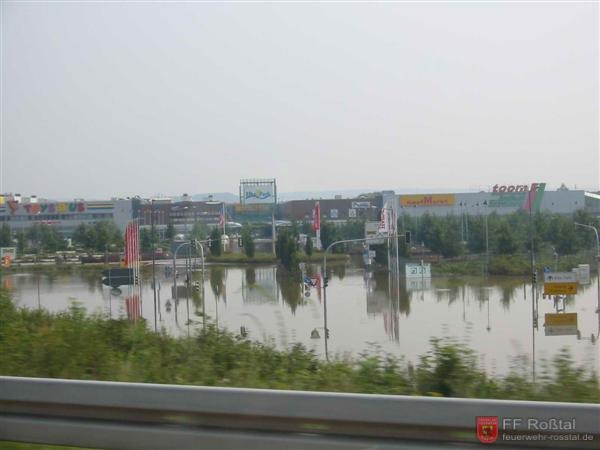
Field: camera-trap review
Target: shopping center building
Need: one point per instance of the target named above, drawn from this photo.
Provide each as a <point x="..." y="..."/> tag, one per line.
<point x="20" y="212"/>
<point x="500" y="200"/>
<point x="65" y="216"/>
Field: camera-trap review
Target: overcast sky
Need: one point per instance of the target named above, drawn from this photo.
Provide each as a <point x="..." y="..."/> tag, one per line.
<point x="103" y="99"/>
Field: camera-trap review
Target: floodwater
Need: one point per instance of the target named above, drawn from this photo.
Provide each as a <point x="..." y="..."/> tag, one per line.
<point x="366" y="311"/>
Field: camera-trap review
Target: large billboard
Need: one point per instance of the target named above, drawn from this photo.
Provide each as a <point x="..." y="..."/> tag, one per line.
<point x="258" y="192"/>
<point x="427" y="200"/>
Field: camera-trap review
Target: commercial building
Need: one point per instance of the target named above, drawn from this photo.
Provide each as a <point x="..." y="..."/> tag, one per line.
<point x="500" y="200"/>
<point x="182" y="214"/>
<point x="366" y="207"/>
<point x="20" y="212"/>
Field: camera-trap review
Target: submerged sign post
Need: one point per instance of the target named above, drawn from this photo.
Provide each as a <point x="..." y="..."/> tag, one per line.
<point x="416" y="270"/>
<point x="560" y="283"/>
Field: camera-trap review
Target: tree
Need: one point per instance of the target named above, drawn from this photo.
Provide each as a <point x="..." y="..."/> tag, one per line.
<point x="565" y="244"/>
<point x="286" y="250"/>
<point x="215" y="242"/>
<point x="352" y="229"/>
<point x="199" y="231"/>
<point x="45" y="238"/>
<point x="329" y="234"/>
<point x="80" y="235"/>
<point x="21" y="242"/>
<point x="5" y="236"/>
<point x="170" y="233"/>
<point x="248" y="242"/>
<point x="100" y="236"/>
<point x="145" y="240"/>
<point x="308" y="247"/>
<point x="505" y="241"/>
<point x="51" y="240"/>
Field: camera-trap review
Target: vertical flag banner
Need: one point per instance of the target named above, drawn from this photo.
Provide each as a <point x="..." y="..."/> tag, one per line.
<point x="533" y="200"/>
<point x="316" y="225"/>
<point x="133" y="308"/>
<point x="384" y="223"/>
<point x="133" y="302"/>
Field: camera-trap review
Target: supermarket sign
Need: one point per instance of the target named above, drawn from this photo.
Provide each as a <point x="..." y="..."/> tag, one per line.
<point x="428" y="200"/>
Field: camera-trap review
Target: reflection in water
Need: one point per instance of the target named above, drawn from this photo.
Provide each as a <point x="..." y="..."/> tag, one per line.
<point x="250" y="276"/>
<point x="494" y="316"/>
<point x="91" y="278"/>
<point x="290" y="286"/>
<point x="217" y="277"/>
<point x="339" y="271"/>
<point x="259" y="285"/>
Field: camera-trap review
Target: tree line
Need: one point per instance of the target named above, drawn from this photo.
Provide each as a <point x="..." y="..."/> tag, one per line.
<point x="41" y="238"/>
<point x="449" y="236"/>
<point x="452" y="236"/>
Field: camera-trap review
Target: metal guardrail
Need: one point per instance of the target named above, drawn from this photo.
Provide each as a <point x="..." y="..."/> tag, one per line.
<point x="117" y="415"/>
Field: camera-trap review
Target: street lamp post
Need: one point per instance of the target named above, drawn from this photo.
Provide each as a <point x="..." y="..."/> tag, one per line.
<point x="595" y="230"/>
<point x="153" y="260"/>
<point x="175" y="268"/>
<point x="185" y="208"/>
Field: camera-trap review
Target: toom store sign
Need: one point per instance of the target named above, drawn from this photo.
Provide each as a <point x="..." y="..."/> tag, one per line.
<point x="428" y="200"/>
<point x="500" y="189"/>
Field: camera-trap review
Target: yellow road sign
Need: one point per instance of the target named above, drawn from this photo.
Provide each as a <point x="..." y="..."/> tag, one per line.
<point x="560" y="288"/>
<point x="557" y="320"/>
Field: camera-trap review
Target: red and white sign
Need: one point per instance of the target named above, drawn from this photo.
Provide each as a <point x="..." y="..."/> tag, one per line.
<point x="316" y="225"/>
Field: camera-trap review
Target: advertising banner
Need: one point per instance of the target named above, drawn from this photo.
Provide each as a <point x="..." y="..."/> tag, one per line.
<point x="257" y="192"/>
<point x="427" y="200"/>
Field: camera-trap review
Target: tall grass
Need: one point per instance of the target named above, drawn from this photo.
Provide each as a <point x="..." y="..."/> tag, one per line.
<point x="75" y="345"/>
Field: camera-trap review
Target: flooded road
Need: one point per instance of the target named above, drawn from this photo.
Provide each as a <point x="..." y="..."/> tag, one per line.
<point x="366" y="311"/>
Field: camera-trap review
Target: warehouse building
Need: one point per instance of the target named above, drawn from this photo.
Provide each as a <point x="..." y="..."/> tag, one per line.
<point x="20" y="212"/>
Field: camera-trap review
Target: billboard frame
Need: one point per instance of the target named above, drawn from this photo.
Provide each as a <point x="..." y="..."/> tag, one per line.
<point x="270" y="182"/>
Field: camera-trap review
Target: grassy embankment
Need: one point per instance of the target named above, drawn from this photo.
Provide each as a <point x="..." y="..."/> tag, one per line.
<point x="75" y="345"/>
<point x="268" y="258"/>
<point x="511" y="265"/>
